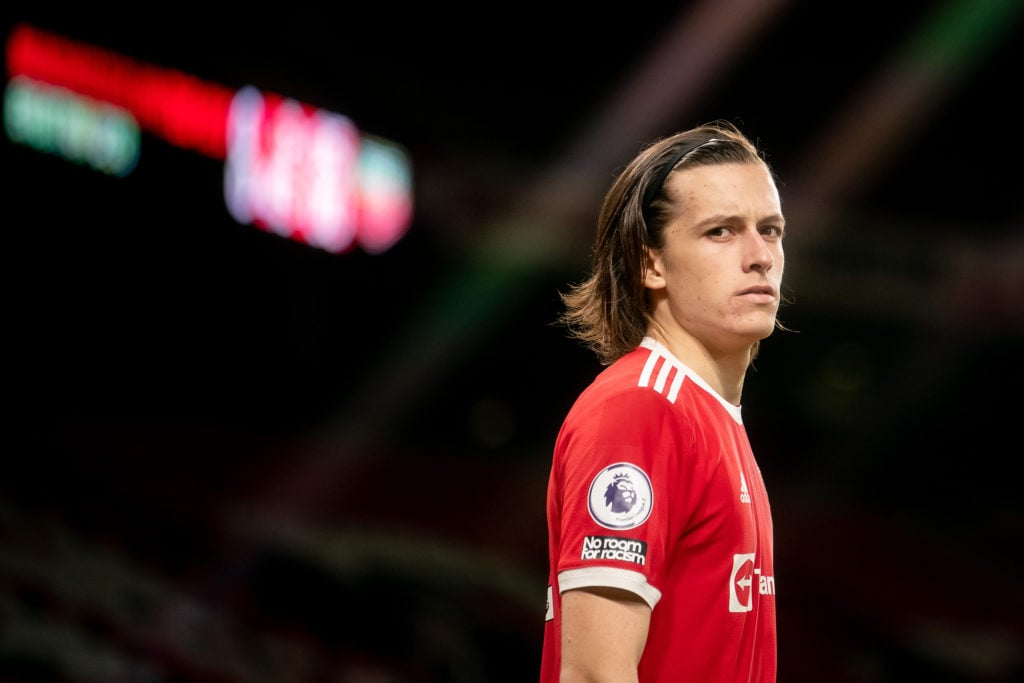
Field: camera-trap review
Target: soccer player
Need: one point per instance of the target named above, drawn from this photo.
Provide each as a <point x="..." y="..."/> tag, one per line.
<point x="660" y="531"/>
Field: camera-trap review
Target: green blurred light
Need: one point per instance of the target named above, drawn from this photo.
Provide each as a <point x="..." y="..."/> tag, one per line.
<point x="81" y="130"/>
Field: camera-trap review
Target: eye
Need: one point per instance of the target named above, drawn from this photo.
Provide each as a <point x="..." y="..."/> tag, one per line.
<point x="720" y="231"/>
<point x="774" y="231"/>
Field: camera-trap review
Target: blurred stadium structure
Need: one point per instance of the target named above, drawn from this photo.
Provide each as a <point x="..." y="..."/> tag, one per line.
<point x="236" y="458"/>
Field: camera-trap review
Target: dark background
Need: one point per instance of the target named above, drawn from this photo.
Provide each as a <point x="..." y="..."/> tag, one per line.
<point x="232" y="457"/>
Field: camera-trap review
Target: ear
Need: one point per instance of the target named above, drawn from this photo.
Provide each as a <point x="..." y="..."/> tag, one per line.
<point x="654" y="277"/>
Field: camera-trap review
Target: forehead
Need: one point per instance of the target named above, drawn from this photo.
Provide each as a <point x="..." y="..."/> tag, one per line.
<point x="740" y="189"/>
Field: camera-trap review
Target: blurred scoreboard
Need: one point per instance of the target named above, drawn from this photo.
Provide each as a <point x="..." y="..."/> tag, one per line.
<point x="289" y="168"/>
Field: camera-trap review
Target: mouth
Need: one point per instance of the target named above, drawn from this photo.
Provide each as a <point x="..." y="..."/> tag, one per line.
<point x="761" y="294"/>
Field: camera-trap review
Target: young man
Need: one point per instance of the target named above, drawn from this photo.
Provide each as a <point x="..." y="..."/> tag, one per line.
<point x="660" y="531"/>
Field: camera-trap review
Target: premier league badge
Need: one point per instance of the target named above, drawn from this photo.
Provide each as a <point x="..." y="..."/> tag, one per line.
<point x="621" y="496"/>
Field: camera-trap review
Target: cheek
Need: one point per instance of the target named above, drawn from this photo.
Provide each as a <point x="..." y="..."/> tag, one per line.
<point x="696" y="281"/>
<point x="694" y="272"/>
<point x="695" y="294"/>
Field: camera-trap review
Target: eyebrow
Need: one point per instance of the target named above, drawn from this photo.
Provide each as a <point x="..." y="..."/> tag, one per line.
<point x="719" y="218"/>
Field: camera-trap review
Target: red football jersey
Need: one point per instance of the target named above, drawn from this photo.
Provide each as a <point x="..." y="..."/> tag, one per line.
<point x="654" y="489"/>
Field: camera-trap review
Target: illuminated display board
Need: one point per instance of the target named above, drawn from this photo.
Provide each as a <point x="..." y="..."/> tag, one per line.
<point x="290" y="168"/>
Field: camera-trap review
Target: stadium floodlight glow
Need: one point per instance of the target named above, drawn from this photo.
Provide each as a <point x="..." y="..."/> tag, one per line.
<point x="290" y="168"/>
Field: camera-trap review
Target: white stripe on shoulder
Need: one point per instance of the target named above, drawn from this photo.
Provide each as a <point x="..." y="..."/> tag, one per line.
<point x="668" y="368"/>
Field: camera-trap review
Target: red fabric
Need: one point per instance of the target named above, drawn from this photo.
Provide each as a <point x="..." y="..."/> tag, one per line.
<point x="700" y="532"/>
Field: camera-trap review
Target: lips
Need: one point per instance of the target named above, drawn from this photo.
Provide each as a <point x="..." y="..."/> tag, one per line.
<point x="758" y="294"/>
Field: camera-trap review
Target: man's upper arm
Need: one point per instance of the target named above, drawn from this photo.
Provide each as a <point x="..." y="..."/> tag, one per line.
<point x="604" y="631"/>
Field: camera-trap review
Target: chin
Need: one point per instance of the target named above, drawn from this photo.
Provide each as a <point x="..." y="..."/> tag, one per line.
<point x="758" y="331"/>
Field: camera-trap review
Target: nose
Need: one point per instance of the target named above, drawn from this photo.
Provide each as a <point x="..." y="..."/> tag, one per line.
<point x="758" y="255"/>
